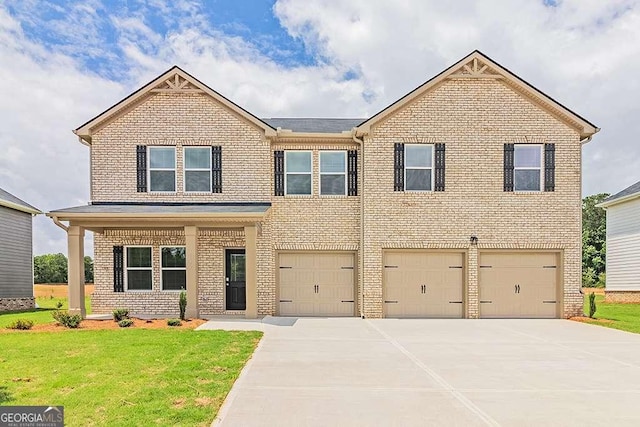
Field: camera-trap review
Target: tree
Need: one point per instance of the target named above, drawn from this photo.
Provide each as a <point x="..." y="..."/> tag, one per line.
<point x="50" y="268"/>
<point x="594" y="237"/>
<point x="88" y="269"/>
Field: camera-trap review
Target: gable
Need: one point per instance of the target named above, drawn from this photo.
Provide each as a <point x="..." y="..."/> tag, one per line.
<point x="173" y="82"/>
<point x="477" y="67"/>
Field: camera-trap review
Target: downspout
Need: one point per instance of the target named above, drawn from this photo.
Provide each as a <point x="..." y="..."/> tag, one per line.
<point x="360" y="142"/>
<point x="59" y="224"/>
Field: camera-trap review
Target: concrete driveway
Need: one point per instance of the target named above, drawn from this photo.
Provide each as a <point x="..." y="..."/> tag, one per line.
<point x="353" y="372"/>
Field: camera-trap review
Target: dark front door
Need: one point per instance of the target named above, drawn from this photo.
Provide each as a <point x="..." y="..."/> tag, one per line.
<point x="236" y="285"/>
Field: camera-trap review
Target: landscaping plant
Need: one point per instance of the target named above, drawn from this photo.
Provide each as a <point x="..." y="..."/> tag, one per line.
<point x="592" y="304"/>
<point x="120" y="314"/>
<point x="125" y="323"/>
<point x="66" y="319"/>
<point x="183" y="304"/>
<point x="21" y="324"/>
<point x="174" y="322"/>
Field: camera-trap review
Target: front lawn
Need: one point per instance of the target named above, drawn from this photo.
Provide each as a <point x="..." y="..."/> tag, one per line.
<point x="625" y="317"/>
<point x="43" y="314"/>
<point x="129" y="377"/>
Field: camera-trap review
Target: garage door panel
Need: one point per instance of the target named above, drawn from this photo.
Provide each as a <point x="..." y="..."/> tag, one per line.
<point x="518" y="284"/>
<point x="423" y="284"/>
<point x="316" y="284"/>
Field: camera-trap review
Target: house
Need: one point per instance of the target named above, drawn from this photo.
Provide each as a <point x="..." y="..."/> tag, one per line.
<point x="460" y="199"/>
<point x="16" y="257"/>
<point x="623" y="245"/>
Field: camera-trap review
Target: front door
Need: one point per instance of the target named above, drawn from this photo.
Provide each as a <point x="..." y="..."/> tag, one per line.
<point x="236" y="285"/>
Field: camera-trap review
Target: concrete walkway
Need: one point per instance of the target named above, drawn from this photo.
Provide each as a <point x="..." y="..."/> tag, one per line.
<point x="353" y="372"/>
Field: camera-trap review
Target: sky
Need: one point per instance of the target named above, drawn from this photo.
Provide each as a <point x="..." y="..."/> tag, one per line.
<point x="64" y="62"/>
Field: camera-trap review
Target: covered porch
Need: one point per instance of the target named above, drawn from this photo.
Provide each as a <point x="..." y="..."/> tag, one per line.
<point x="182" y="225"/>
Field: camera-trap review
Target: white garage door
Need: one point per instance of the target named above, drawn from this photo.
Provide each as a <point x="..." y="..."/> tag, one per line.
<point x="518" y="284"/>
<point x="316" y="284"/>
<point x="423" y="284"/>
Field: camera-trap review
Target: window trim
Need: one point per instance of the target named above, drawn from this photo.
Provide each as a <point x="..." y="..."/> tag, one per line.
<point x="162" y="268"/>
<point x="185" y="169"/>
<point x="127" y="268"/>
<point x="174" y="169"/>
<point x="310" y="173"/>
<point x="541" y="168"/>
<point x="345" y="173"/>
<point x="431" y="168"/>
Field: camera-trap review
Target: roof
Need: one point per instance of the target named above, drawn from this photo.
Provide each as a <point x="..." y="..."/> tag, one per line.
<point x="631" y="192"/>
<point x="10" y="201"/>
<point x="474" y="65"/>
<point x="164" y="208"/>
<point x="174" y="80"/>
<point x="314" y="125"/>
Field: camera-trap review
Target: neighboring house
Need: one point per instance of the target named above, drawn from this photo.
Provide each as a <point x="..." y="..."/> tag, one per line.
<point x="623" y="245"/>
<point x="16" y="257"/>
<point x="461" y="199"/>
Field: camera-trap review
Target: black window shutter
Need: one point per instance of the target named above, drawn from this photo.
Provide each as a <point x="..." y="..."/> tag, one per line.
<point x="216" y="169"/>
<point x="439" y="172"/>
<point x="352" y="167"/>
<point x="278" y="173"/>
<point x="549" y="167"/>
<point x="398" y="167"/>
<point x="141" y="162"/>
<point x="508" y="167"/>
<point x="118" y="269"/>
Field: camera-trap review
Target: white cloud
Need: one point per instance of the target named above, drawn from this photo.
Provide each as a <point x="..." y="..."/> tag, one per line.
<point x="584" y="53"/>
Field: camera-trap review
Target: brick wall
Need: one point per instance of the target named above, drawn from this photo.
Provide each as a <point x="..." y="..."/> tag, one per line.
<point x="15" y="304"/>
<point x="622" y="296"/>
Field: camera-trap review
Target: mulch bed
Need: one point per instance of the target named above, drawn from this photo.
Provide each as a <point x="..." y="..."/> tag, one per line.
<point x="585" y="319"/>
<point x="110" y="324"/>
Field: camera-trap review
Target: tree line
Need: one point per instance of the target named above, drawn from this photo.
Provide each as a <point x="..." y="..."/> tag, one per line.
<point x="53" y="268"/>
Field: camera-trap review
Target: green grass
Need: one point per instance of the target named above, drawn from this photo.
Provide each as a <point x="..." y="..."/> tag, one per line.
<point x="124" y="377"/>
<point x="625" y="317"/>
<point x="44" y="314"/>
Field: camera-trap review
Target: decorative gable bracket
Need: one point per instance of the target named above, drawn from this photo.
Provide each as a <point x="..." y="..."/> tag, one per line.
<point x="476" y="70"/>
<point x="176" y="84"/>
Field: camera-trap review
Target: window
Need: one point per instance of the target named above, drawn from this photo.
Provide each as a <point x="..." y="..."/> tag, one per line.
<point x="162" y="169"/>
<point x="197" y="169"/>
<point x="418" y="167"/>
<point x="333" y="173"/>
<point x="298" y="172"/>
<point x="139" y="269"/>
<point x="527" y="167"/>
<point x="174" y="268"/>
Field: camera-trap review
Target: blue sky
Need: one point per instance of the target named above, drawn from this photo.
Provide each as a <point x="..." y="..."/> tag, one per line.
<point x="63" y="62"/>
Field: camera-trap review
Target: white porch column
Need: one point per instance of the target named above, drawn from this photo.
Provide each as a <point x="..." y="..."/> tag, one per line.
<point x="251" y="262"/>
<point x="75" y="242"/>
<point x="191" y="243"/>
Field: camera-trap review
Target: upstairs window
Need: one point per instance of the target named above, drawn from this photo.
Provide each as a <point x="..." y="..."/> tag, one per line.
<point x="139" y="268"/>
<point x="418" y="167"/>
<point x="527" y="167"/>
<point x="174" y="268"/>
<point x="197" y="169"/>
<point x="297" y="172"/>
<point x="333" y="173"/>
<point x="162" y="169"/>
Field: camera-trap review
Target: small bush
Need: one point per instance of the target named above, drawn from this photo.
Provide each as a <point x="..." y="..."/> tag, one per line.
<point x="58" y="305"/>
<point x="174" y="322"/>
<point x="66" y="319"/>
<point x="125" y="323"/>
<point x="183" y="304"/>
<point x="592" y="304"/>
<point x="21" y="324"/>
<point x="120" y="314"/>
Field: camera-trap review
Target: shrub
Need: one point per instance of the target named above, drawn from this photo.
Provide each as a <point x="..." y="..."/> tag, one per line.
<point x="58" y="305"/>
<point x="66" y="319"/>
<point x="21" y="324"/>
<point x="174" y="322"/>
<point x="125" y="323"/>
<point x="120" y="314"/>
<point x="183" y="304"/>
<point x="592" y="304"/>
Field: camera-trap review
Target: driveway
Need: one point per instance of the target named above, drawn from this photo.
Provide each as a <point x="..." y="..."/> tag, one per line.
<point x="353" y="372"/>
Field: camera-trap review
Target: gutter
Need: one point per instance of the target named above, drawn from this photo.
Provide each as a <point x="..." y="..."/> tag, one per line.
<point x="360" y="142"/>
<point x="58" y="223"/>
<point x="614" y="202"/>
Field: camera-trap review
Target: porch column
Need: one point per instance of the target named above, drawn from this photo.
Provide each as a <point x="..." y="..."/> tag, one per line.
<point x="191" y="243"/>
<point x="75" y="242"/>
<point x="250" y="236"/>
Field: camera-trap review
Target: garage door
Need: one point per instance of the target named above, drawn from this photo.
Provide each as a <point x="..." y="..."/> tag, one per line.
<point x="423" y="284"/>
<point x="518" y="285"/>
<point x="316" y="284"/>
